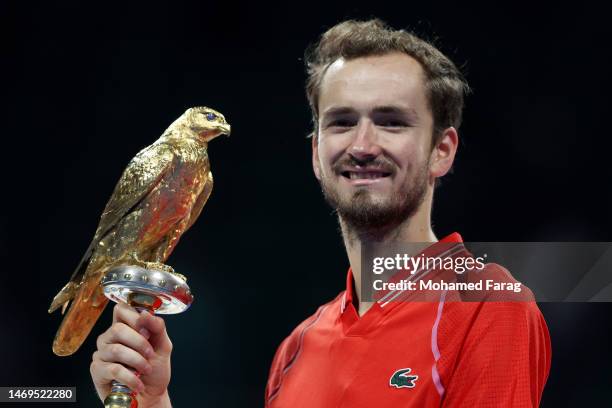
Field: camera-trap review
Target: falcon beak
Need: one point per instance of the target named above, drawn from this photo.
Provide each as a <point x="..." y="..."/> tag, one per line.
<point x="224" y="128"/>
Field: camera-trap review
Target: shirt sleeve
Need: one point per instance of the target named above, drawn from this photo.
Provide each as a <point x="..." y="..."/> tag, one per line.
<point x="281" y="360"/>
<point x="504" y="360"/>
<point x="285" y="357"/>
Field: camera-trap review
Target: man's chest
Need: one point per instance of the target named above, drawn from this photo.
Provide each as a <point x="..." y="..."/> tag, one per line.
<point x="389" y="365"/>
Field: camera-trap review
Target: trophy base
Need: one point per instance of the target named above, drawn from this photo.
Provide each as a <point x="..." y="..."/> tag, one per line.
<point x="123" y="281"/>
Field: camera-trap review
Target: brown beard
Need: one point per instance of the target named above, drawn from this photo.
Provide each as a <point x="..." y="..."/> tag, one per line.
<point x="364" y="216"/>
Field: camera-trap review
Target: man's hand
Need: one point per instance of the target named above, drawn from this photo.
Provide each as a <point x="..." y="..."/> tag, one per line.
<point x="139" y="341"/>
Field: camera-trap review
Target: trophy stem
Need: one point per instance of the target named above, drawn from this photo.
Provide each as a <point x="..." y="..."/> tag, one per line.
<point x="121" y="396"/>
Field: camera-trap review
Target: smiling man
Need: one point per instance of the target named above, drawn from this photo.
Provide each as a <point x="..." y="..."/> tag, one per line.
<point x="386" y="107"/>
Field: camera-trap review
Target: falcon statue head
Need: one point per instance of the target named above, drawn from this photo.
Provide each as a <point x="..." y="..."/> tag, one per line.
<point x="207" y="123"/>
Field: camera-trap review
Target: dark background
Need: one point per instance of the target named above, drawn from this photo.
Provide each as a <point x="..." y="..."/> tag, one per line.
<point x="87" y="86"/>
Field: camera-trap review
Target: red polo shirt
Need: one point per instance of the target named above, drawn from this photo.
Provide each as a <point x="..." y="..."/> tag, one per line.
<point x="414" y="354"/>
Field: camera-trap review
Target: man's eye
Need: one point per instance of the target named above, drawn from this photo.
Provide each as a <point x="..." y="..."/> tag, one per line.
<point x="393" y="123"/>
<point x="341" y="123"/>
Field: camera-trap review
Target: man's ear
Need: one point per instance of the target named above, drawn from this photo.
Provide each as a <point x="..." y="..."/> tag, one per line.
<point x="443" y="153"/>
<point x="316" y="165"/>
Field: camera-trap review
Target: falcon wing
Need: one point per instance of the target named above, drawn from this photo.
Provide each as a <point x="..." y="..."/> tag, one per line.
<point x="142" y="174"/>
<point x="201" y="201"/>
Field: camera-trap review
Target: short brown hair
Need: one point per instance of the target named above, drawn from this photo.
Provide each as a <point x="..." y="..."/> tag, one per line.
<point x="444" y="84"/>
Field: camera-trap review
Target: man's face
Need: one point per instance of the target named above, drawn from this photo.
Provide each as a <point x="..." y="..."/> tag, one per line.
<point x="372" y="151"/>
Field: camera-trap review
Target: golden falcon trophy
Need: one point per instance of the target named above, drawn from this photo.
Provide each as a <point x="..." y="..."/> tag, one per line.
<point x="158" y="197"/>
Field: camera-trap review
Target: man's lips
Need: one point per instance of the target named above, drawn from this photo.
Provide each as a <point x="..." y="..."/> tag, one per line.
<point x="360" y="176"/>
<point x="355" y="175"/>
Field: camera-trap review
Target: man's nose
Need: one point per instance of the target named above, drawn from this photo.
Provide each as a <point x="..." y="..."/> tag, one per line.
<point x="365" y="143"/>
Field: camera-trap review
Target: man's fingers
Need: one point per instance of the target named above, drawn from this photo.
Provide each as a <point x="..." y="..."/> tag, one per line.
<point x="156" y="328"/>
<point x="106" y="372"/>
<point x="123" y="334"/>
<point x="118" y="353"/>
<point x="123" y="312"/>
<point x="146" y="325"/>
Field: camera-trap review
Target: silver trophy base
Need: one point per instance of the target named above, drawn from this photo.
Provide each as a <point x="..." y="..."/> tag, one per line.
<point x="173" y="293"/>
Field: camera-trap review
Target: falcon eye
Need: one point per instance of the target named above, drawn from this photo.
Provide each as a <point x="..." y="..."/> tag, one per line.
<point x="211" y="116"/>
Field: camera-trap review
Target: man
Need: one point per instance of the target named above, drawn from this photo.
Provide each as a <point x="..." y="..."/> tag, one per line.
<point x="386" y="107"/>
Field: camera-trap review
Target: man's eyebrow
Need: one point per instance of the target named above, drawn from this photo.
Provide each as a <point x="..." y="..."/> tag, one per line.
<point x="338" y="110"/>
<point x="384" y="109"/>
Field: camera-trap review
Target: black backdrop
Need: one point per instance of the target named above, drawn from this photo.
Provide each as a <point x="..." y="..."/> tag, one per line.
<point x="87" y="86"/>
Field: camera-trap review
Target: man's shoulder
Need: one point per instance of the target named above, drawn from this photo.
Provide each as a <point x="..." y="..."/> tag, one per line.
<point x="306" y="324"/>
<point x="499" y="322"/>
<point x="494" y="283"/>
<point x="501" y="304"/>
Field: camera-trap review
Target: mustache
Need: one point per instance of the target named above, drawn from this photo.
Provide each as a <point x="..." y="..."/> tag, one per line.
<point x="381" y="164"/>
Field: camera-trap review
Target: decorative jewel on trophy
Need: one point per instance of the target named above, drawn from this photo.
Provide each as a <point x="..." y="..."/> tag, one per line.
<point x="158" y="197"/>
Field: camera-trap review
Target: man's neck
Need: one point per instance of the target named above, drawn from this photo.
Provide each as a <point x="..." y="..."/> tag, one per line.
<point x="414" y="229"/>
